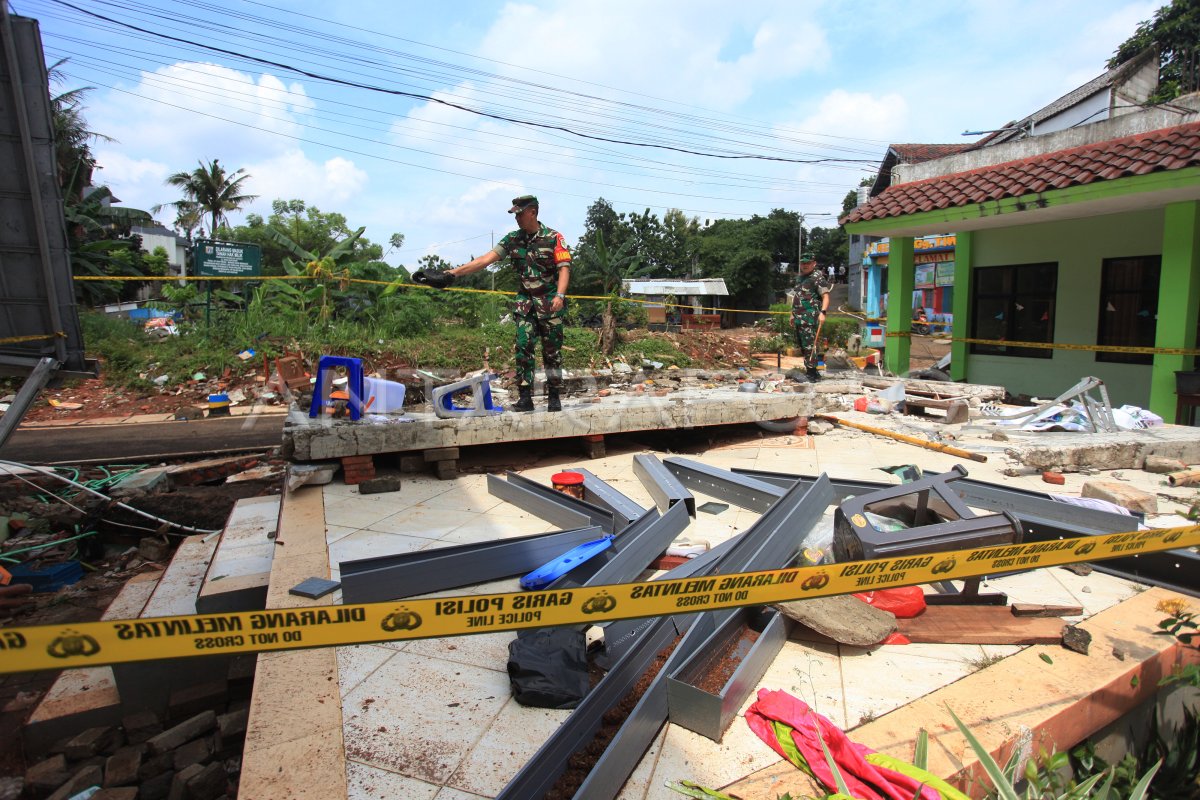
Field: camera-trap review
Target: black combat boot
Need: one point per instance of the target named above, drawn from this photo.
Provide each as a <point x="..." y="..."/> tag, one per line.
<point x="552" y="401"/>
<point x="812" y="375"/>
<point x="525" y="402"/>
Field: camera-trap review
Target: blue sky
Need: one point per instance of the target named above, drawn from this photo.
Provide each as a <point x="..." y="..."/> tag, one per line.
<point x="806" y="95"/>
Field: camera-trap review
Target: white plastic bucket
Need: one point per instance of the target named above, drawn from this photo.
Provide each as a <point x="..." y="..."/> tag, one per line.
<point x="384" y="397"/>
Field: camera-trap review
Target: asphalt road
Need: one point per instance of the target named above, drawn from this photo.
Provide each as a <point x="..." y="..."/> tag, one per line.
<point x="78" y="444"/>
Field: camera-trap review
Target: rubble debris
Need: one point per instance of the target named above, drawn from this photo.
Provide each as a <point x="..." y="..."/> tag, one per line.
<point x="1056" y="478"/>
<point x="845" y="619"/>
<point x="1076" y="639"/>
<point x="1185" y="478"/>
<point x="380" y="484"/>
<point x="1126" y="496"/>
<point x="1162" y="465"/>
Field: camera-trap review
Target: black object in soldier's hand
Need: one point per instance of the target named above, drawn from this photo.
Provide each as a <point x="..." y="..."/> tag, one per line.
<point x="433" y="278"/>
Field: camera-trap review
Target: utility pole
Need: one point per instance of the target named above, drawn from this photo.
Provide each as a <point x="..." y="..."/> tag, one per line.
<point x="800" y="242"/>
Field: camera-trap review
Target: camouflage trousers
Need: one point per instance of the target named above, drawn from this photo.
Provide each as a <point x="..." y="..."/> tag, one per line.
<point x="530" y="328"/>
<point x="805" y="329"/>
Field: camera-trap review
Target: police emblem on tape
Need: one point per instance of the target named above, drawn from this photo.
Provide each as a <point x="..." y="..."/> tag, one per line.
<point x="818" y="581"/>
<point x="1085" y="548"/>
<point x="401" y="620"/>
<point x="599" y="604"/>
<point x="73" y="643"/>
<point x="944" y="566"/>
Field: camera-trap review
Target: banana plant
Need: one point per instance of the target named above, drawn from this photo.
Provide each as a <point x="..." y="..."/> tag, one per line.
<point x="324" y="270"/>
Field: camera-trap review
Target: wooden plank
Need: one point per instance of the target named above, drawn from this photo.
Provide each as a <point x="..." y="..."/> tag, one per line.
<point x="979" y="625"/>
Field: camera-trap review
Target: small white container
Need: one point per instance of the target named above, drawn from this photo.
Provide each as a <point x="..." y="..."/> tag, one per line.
<point x="384" y="397"/>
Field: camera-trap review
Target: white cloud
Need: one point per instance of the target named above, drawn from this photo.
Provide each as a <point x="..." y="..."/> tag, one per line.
<point x="665" y="50"/>
<point x="293" y="175"/>
<point x="189" y="112"/>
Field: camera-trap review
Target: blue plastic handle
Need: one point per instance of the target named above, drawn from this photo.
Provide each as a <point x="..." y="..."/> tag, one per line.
<point x="551" y="571"/>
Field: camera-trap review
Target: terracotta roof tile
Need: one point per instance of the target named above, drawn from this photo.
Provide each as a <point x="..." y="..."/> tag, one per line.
<point x="1140" y="154"/>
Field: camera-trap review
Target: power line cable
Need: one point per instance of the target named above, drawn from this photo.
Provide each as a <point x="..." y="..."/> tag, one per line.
<point x="460" y="107"/>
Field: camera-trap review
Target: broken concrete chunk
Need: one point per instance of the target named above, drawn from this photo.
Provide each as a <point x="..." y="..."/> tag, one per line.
<point x="83" y="779"/>
<point x="47" y="775"/>
<point x="185" y="731"/>
<point x="380" y="484"/>
<point x="1121" y="494"/>
<point x="122" y="767"/>
<point x="208" y="784"/>
<point x="309" y="475"/>
<point x="89" y="743"/>
<point x="153" y="549"/>
<point x="1161" y="465"/>
<point x="845" y="619"/>
<point x="1076" y="639"/>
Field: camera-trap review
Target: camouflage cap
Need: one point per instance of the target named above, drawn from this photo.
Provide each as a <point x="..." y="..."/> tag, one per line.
<point x="523" y="202"/>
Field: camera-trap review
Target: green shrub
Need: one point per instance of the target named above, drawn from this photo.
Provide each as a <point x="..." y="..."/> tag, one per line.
<point x="838" y="330"/>
<point x="782" y="322"/>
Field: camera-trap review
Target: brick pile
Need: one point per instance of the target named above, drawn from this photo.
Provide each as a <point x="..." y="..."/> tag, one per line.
<point x="198" y="758"/>
<point x="357" y="469"/>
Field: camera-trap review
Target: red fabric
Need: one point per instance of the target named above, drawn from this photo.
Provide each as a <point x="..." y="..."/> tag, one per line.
<point x="864" y="780"/>
<point x="905" y="602"/>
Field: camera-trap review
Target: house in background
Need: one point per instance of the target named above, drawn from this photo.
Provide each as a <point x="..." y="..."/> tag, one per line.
<point x="689" y="303"/>
<point x="1070" y="245"/>
<point x="1119" y="91"/>
<point x="155" y="235"/>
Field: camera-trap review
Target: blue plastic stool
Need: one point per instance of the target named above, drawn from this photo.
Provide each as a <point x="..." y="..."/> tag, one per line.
<point x="354" y="385"/>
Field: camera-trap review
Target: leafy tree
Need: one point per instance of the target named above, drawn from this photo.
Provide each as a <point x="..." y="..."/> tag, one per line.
<point x="306" y="227"/>
<point x="829" y="246"/>
<point x="613" y="267"/>
<point x="1175" y="29"/>
<point x="210" y="189"/>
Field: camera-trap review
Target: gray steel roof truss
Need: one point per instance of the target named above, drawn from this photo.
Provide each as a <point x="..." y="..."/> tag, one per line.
<point x="371" y="580"/>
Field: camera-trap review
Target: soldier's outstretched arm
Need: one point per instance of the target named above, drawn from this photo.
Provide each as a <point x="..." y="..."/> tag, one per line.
<point x="476" y="264"/>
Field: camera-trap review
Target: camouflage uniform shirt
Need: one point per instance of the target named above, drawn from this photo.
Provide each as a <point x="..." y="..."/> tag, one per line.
<point x="536" y="257"/>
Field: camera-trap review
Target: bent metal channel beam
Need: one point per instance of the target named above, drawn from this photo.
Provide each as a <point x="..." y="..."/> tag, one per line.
<point x="391" y="577"/>
<point x="776" y="533"/>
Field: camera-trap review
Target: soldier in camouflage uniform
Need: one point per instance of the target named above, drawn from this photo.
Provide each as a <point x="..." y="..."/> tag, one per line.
<point x="543" y="265"/>
<point x="809" y="303"/>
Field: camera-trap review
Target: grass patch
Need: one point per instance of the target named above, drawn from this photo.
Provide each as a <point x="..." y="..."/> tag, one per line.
<point x="406" y="335"/>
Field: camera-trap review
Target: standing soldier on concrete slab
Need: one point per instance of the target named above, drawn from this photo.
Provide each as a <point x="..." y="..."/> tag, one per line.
<point x="543" y="265"/>
<point x="809" y="303"/>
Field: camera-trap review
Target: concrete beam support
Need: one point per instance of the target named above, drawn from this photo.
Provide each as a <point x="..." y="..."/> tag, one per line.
<point x="901" y="282"/>
<point x="1178" y="301"/>
<point x="961" y="307"/>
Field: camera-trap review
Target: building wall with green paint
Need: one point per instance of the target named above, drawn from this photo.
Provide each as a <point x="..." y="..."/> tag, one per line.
<point x="1079" y="247"/>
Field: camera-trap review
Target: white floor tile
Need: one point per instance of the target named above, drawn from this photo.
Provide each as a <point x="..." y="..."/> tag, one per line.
<point x="427" y="522"/>
<point x="486" y="650"/>
<point x="421" y="716"/>
<point x="509" y="742"/>
<point x="364" y="782"/>
<point x="372" y="544"/>
<point x="885" y="678"/>
<point x="357" y="662"/>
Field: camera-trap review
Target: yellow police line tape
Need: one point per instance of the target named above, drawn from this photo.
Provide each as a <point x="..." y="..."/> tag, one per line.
<point x="335" y="277"/>
<point x="120" y="641"/>
<point x="1098" y="348"/>
<point x="37" y="337"/>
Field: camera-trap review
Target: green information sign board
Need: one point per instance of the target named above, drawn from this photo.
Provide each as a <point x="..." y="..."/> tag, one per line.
<point x="227" y="259"/>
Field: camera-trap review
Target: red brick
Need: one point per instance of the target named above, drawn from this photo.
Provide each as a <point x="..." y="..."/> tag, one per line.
<point x="1054" y="477"/>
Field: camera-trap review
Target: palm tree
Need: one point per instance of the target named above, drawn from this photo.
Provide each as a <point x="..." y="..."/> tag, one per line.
<point x="72" y="140"/>
<point x="210" y="189"/>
